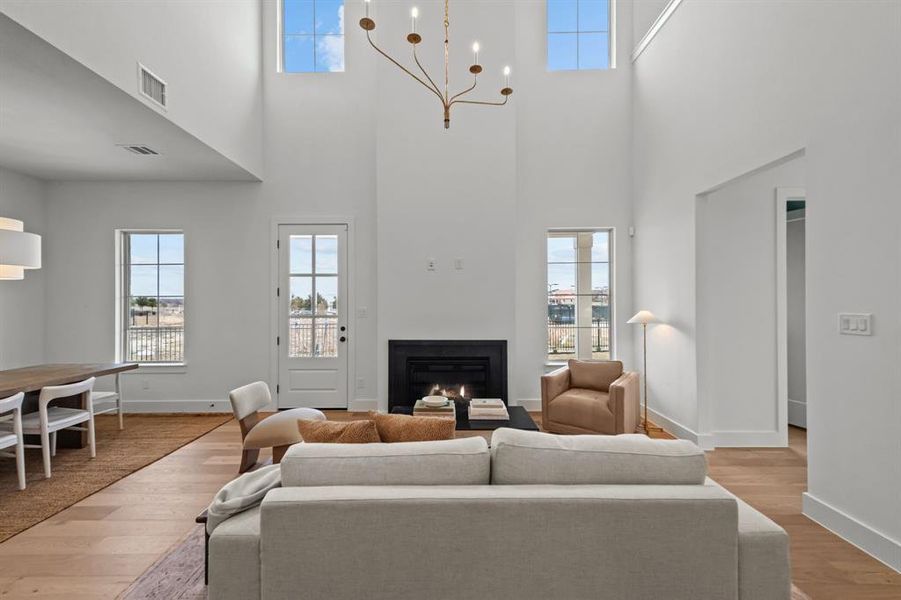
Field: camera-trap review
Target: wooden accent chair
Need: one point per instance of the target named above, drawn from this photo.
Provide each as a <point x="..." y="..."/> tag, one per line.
<point x="278" y="431"/>
<point x="12" y="436"/>
<point x="590" y="397"/>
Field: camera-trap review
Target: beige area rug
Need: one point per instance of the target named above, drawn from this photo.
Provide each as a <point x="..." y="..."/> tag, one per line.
<point x="179" y="575"/>
<point x="145" y="439"/>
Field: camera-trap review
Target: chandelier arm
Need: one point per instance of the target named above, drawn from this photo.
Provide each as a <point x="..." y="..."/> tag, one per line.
<point x="475" y="81"/>
<point x="482" y="102"/>
<point x="403" y="68"/>
<point x="424" y="72"/>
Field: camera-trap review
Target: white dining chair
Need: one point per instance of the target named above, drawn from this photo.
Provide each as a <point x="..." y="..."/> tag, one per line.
<point x="12" y="436"/>
<point x="106" y="402"/>
<point x="50" y="419"/>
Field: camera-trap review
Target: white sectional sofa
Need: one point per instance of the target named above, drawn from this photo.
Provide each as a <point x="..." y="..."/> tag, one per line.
<point x="537" y="516"/>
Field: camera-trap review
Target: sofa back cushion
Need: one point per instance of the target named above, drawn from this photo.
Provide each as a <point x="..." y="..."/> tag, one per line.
<point x="594" y="375"/>
<point x="452" y="462"/>
<point x="527" y="457"/>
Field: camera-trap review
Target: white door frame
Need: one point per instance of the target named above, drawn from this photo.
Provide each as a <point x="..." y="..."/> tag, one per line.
<point x="783" y="195"/>
<point x="276" y="222"/>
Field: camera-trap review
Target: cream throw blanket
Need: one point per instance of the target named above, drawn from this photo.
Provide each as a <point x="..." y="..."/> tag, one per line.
<point x="243" y="493"/>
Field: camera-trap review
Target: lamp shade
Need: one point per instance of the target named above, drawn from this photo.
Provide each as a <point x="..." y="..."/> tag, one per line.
<point x="18" y="250"/>
<point x="643" y="317"/>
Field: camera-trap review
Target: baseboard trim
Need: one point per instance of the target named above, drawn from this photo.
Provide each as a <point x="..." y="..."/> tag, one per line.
<point x="704" y="440"/>
<point x="177" y="406"/>
<point x="530" y="404"/>
<point x="363" y="405"/>
<point x="879" y="546"/>
<point x="748" y="439"/>
<point x="797" y="413"/>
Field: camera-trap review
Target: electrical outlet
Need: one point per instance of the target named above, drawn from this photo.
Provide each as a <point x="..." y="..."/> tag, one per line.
<point x="145" y="385"/>
<point x="362" y="312"/>
<point x="431" y="264"/>
<point x="458" y="263"/>
<point x="361" y="383"/>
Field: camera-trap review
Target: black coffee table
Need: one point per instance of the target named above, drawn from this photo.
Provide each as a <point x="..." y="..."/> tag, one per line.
<point x="519" y="419"/>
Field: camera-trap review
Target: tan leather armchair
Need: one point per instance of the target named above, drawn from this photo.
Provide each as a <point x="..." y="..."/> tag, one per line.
<point x="590" y="397"/>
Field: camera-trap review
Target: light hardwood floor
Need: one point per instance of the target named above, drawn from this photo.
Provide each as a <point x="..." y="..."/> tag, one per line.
<point x="96" y="548"/>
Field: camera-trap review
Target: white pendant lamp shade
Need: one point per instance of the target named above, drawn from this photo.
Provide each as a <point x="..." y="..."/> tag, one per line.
<point x="643" y="317"/>
<point x="18" y="250"/>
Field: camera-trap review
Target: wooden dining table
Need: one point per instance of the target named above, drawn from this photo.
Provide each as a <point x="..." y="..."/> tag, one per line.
<point x="31" y="380"/>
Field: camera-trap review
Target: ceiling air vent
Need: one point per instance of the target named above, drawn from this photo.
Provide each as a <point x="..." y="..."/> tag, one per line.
<point x="139" y="149"/>
<point x="152" y="86"/>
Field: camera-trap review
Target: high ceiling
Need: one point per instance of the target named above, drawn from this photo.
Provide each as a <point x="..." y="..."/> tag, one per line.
<point x="61" y="121"/>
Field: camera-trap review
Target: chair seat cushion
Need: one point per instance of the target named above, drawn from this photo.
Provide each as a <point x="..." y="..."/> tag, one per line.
<point x="583" y="408"/>
<point x="531" y="458"/>
<point x="57" y="418"/>
<point x="280" y="429"/>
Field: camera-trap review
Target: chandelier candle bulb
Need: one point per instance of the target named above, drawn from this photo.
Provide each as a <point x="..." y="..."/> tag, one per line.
<point x="507" y="76"/>
<point x="366" y="6"/>
<point x="414" y="14"/>
<point x="475" y="50"/>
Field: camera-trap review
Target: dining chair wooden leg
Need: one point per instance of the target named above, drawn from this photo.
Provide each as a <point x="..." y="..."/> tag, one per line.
<point x="45" y="451"/>
<point x="20" y="463"/>
<point x="248" y="460"/>
<point x="278" y="453"/>
<point x="91" y="438"/>
<point x="53" y="443"/>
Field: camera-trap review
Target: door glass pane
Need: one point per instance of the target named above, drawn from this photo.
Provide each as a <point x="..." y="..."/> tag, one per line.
<point x="327" y="296"/>
<point x="143" y="248"/>
<point x="561" y="249"/>
<point x="327" y="254"/>
<point x="301" y="254"/>
<point x="326" y="337"/>
<point x="600" y="278"/>
<point x="300" y="337"/>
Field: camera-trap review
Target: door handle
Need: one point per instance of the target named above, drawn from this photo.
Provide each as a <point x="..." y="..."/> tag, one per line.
<point x="342" y="339"/>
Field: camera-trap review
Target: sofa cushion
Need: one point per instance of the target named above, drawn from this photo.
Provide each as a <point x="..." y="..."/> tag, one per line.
<point x="527" y="457"/>
<point x="451" y="462"/>
<point x="337" y="432"/>
<point x="405" y="428"/>
<point x="586" y="409"/>
<point x="594" y="375"/>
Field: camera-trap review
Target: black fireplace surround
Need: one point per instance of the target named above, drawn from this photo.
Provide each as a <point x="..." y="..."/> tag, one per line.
<point x="417" y="367"/>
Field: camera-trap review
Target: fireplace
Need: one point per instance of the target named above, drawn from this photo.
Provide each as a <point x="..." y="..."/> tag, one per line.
<point x="453" y="368"/>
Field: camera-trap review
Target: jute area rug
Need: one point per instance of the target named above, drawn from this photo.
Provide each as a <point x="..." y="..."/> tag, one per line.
<point x="179" y="575"/>
<point x="145" y="439"/>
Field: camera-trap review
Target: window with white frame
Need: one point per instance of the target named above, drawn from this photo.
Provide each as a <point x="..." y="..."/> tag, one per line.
<point x="578" y="34"/>
<point x="153" y="297"/>
<point x="312" y="36"/>
<point x="579" y="292"/>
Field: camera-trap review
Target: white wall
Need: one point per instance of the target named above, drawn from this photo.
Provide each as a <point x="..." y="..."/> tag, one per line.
<point x="645" y="13"/>
<point x="574" y="165"/>
<point x="795" y="316"/>
<point x="370" y="145"/>
<point x="736" y="306"/>
<point x="22" y="302"/>
<point x="208" y="53"/>
<point x="724" y="88"/>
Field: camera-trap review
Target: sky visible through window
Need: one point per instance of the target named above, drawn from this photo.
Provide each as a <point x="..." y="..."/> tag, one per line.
<point x="313" y="39"/>
<point x="578" y="34"/>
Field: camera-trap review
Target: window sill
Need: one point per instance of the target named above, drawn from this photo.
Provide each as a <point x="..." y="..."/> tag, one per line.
<point x="161" y="368"/>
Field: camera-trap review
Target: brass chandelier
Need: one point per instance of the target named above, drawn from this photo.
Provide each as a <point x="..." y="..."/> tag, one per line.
<point x="447" y="100"/>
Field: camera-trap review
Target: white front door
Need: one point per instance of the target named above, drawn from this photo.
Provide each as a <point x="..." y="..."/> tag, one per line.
<point x="312" y="343"/>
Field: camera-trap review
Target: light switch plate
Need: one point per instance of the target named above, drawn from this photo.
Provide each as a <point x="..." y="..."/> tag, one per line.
<point x="362" y="312"/>
<point x="458" y="263"/>
<point x="855" y="323"/>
